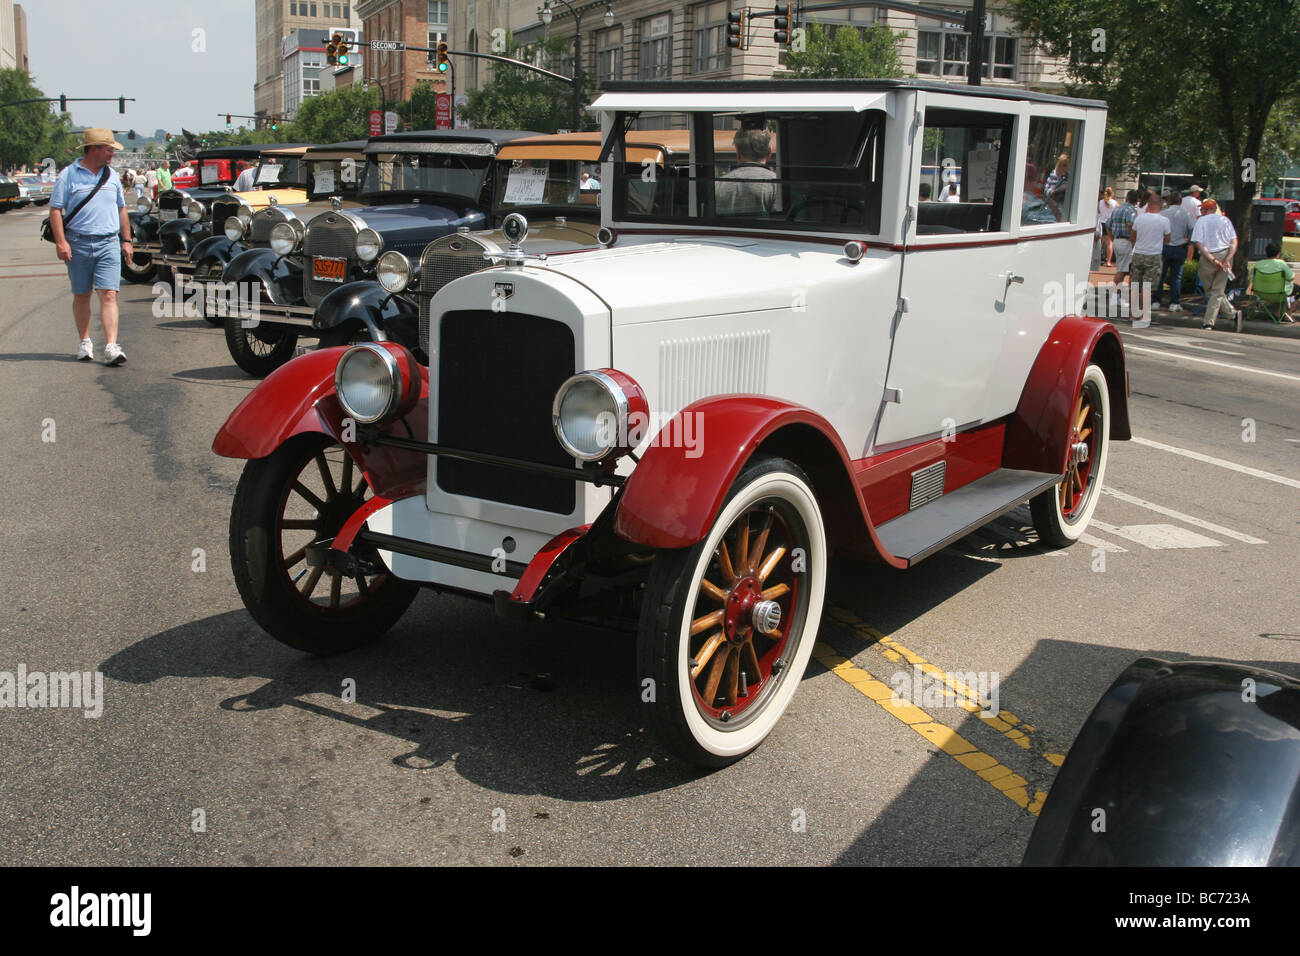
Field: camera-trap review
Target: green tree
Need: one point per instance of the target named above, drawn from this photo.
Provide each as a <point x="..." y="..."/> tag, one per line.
<point x="421" y="110"/>
<point x="516" y="98"/>
<point x="845" y="52"/>
<point x="28" y="132"/>
<point x="332" y="117"/>
<point x="1202" y="89"/>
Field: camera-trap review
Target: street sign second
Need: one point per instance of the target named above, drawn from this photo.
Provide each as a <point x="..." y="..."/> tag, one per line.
<point x="388" y="46"/>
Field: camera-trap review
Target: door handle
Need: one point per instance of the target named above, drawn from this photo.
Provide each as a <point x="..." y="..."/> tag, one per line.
<point x="1012" y="277"/>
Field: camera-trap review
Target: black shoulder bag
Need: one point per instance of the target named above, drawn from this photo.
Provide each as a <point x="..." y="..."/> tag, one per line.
<point x="48" y="234"/>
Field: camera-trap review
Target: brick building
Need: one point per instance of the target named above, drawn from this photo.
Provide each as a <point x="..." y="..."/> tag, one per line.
<point x="275" y="20"/>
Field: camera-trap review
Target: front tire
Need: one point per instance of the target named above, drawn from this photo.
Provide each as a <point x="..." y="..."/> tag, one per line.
<point x="720" y="681"/>
<point x="300" y="494"/>
<point x="1061" y="514"/>
<point x="139" y="268"/>
<point x="259" y="351"/>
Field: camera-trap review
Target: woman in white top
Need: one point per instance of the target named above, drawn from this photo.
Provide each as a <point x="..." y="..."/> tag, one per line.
<point x="1106" y="205"/>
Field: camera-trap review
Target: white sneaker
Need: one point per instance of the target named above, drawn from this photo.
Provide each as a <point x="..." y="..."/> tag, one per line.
<point x="113" y="354"/>
<point x="1175" y="307"/>
<point x="85" y="351"/>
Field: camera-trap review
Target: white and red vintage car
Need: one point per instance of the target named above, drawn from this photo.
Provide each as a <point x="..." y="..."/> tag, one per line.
<point x="778" y="353"/>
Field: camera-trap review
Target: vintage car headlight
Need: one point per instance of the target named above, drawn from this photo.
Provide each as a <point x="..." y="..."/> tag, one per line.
<point x="245" y="214"/>
<point x="143" y="205"/>
<point x="234" y="228"/>
<point x="368" y="245"/>
<point x="393" y="271"/>
<point x="599" y="413"/>
<point x="376" y="380"/>
<point x="195" y="212"/>
<point x="284" y="238"/>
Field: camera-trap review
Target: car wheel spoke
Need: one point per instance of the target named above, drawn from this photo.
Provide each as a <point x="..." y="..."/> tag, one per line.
<point x="731" y="679"/>
<point x="756" y="553"/>
<point x="702" y="624"/>
<point x="713" y="591"/>
<point x="710" y="692"/>
<point x="299" y="524"/>
<point x="779" y="590"/>
<point x="706" y="653"/>
<point x="346" y="480"/>
<point x="312" y="578"/>
<point x="323" y="466"/>
<point x="306" y="493"/>
<point x="336" y="588"/>
<point x="294" y="558"/>
<point x="770" y="564"/>
<point x="724" y="563"/>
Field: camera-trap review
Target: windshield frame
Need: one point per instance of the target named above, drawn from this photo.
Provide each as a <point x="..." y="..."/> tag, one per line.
<point x="388" y="196"/>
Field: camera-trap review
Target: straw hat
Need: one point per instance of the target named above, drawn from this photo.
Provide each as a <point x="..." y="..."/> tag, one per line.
<point x="98" y="136"/>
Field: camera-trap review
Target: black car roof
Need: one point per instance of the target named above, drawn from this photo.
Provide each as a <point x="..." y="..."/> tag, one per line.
<point x="354" y="144"/>
<point x="841" y="86"/>
<point x="241" y="152"/>
<point x="496" y="137"/>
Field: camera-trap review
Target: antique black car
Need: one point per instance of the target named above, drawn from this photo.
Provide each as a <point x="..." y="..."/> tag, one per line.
<point x="418" y="186"/>
<point x="170" y="230"/>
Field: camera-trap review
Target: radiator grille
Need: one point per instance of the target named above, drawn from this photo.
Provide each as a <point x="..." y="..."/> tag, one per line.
<point x="328" y="235"/>
<point x="927" y="484"/>
<point x="498" y="373"/>
<point x="264" y="220"/>
<point x="170" y="199"/>
<point x="221" y="210"/>
<point x="691" y="369"/>
<point x="445" y="259"/>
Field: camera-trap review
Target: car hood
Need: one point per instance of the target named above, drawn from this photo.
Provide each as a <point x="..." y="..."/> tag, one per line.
<point x="684" y="277"/>
<point x="408" y="227"/>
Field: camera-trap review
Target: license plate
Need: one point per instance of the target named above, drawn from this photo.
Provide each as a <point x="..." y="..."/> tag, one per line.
<point x="165" y="215"/>
<point x="329" y="269"/>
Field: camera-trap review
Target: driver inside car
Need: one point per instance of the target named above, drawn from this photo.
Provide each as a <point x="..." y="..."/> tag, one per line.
<point x="743" y="191"/>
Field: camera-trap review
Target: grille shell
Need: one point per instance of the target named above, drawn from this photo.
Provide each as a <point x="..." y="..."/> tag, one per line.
<point x="264" y="220"/>
<point x="170" y="199"/>
<point x="330" y="234"/>
<point x="222" y="209"/>
<point x="445" y="259"/>
<point x="498" y="373"/>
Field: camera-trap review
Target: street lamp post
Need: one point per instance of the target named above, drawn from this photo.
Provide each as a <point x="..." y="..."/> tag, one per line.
<point x="545" y="14"/>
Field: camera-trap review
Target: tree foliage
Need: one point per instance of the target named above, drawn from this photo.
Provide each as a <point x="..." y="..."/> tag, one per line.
<point x="516" y="98"/>
<point x="332" y="117"/>
<point x="30" y="132"/>
<point x="845" y="52"/>
<point x="1200" y="81"/>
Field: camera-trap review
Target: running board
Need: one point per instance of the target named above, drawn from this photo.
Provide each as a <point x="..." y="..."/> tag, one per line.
<point x="920" y="533"/>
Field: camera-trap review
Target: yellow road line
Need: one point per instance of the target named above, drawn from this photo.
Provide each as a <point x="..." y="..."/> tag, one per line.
<point x="1005" y="723"/>
<point x="1005" y="780"/>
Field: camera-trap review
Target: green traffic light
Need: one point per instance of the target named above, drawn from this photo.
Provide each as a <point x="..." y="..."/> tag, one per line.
<point x="343" y="59"/>
<point x="442" y="67"/>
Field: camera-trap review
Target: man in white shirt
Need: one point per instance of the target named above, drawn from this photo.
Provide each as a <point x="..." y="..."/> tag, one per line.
<point x="1175" y="252"/>
<point x="1149" y="232"/>
<point x="1216" y="239"/>
<point x="951" y="192"/>
<point x="246" y="180"/>
<point x="1192" y="202"/>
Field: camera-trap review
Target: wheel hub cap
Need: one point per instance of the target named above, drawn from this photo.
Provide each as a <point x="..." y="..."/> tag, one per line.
<point x="739" y="619"/>
<point x="767" y="617"/>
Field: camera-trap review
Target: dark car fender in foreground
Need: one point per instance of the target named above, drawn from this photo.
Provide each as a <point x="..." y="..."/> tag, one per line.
<point x="1187" y="764"/>
<point x="355" y="306"/>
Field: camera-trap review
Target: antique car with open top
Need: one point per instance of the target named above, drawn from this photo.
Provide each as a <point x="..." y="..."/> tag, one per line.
<point x="416" y="186"/>
<point x="778" y="354"/>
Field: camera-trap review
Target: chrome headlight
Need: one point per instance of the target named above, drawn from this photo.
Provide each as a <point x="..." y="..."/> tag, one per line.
<point x="368" y="382"/>
<point x="368" y="245"/>
<point x="195" y="212"/>
<point x="245" y="214"/>
<point x="234" y="228"/>
<point x="599" y="412"/>
<point x="284" y="238"/>
<point x="393" y="271"/>
<point x="143" y="205"/>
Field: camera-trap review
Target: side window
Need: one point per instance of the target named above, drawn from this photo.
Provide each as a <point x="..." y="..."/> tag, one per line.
<point x="1051" y="174"/>
<point x="963" y="175"/>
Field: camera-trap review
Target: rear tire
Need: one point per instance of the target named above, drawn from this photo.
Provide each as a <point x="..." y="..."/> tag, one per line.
<point x="1061" y="514"/>
<point x="272" y="514"/>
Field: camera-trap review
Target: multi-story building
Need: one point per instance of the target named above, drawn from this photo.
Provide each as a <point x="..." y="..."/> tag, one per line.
<point x="13" y="37"/>
<point x="422" y="23"/>
<point x="303" y="66"/>
<point x="277" y="19"/>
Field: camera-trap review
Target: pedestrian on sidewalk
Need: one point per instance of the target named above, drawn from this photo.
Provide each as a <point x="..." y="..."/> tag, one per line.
<point x="1175" y="251"/>
<point x="1149" y="231"/>
<point x="1121" y="227"/>
<point x="1192" y="202"/>
<point x="1216" y="239"/>
<point x="95" y="239"/>
<point x="1106" y="206"/>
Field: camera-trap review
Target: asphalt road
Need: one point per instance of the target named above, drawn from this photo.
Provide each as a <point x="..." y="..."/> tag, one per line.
<point x="476" y="741"/>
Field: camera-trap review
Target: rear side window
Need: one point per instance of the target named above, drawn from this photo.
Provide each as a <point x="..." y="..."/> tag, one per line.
<point x="963" y="174"/>
<point x="1051" y="172"/>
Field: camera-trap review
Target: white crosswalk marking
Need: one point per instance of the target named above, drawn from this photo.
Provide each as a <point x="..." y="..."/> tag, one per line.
<point x="1185" y="519"/>
<point x="1092" y="542"/>
<point x="1159" y="537"/>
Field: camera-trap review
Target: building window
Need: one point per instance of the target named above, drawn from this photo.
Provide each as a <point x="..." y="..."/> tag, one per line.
<point x="609" y="55"/>
<point x="944" y="50"/>
<point x="439" y="25"/>
<point x="657" y="47"/>
<point x="293" y="9"/>
<point x="711" y="51"/>
<point x="313" y="9"/>
<point x="338" y="11"/>
<point x="310" y="87"/>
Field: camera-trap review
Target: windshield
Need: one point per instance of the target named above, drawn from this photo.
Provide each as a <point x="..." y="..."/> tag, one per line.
<point x="333" y="177"/>
<point x="280" y="174"/>
<point x="448" y="174"/>
<point x="546" y="182"/>
<point x="796" y="171"/>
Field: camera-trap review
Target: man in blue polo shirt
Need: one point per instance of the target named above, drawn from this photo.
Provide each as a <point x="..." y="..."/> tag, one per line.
<point x="95" y="239"/>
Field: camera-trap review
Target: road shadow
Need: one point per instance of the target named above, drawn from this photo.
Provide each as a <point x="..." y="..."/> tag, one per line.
<point x="225" y="374"/>
<point x="550" y="709"/>
<point x="42" y="357"/>
<point x="188" y="325"/>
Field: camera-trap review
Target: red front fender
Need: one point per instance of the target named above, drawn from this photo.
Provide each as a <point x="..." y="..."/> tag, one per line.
<point x="298" y="398"/>
<point x="1038" y="432"/>
<point x="672" y="497"/>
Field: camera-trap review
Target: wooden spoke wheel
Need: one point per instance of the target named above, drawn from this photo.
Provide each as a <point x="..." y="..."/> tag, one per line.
<point x="285" y="506"/>
<point x="728" y="625"/>
<point x="260" y="349"/>
<point x="1062" y="514"/>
